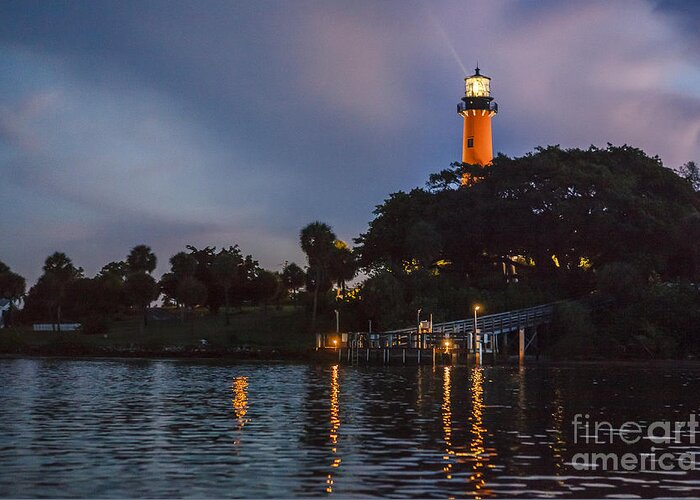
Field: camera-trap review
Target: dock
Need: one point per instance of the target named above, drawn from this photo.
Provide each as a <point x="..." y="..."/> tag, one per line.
<point x="481" y="340"/>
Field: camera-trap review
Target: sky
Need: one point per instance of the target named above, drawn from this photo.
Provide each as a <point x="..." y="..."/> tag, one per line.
<point x="219" y="123"/>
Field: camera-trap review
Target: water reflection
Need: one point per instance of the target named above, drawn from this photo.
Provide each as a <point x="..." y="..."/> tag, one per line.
<point x="335" y="426"/>
<point x="447" y="420"/>
<point x="160" y="429"/>
<point x="240" y="400"/>
<point x="477" y="448"/>
<point x="558" y="444"/>
<point x="240" y="405"/>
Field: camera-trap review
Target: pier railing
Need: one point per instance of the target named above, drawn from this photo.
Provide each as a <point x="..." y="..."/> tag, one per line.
<point x="460" y="333"/>
<point x="490" y="323"/>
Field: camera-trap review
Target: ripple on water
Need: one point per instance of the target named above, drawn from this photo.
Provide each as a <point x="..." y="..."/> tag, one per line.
<point x="168" y="429"/>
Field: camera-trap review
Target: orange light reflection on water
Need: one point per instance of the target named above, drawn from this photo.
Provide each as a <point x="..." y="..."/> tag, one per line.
<point x="477" y="449"/>
<point x="447" y="420"/>
<point x="335" y="425"/>
<point x="239" y="387"/>
<point x="240" y="399"/>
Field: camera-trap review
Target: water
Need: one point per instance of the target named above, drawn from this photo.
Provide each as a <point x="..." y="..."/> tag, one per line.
<point x="124" y="428"/>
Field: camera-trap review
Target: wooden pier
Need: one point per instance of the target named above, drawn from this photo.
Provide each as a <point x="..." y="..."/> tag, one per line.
<point x="409" y="356"/>
<point x="472" y="341"/>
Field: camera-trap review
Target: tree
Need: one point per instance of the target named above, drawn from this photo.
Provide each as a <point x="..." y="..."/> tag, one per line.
<point x="12" y="286"/>
<point x="111" y="279"/>
<point x="556" y="215"/>
<point x="342" y="265"/>
<point x="141" y="259"/>
<point x="226" y="270"/>
<point x="317" y="241"/>
<point x="691" y="173"/>
<point x="90" y="301"/>
<point x="117" y="269"/>
<point x="168" y="286"/>
<point x="183" y="264"/>
<point x="59" y="273"/>
<point x="191" y="292"/>
<point x="206" y="273"/>
<point x="205" y="260"/>
<point x="293" y="278"/>
<point x="141" y="289"/>
<point x="249" y="270"/>
<point x="182" y="267"/>
<point x="266" y="286"/>
<point x="559" y="217"/>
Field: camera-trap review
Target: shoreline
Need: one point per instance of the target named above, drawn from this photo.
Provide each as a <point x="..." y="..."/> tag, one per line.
<point x="271" y="355"/>
<point x="279" y="355"/>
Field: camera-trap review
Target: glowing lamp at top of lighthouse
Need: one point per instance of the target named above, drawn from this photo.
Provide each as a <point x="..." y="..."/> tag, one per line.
<point x="477" y="85"/>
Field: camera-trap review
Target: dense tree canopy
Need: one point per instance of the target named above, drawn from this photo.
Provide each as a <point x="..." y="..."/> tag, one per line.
<point x="49" y="296"/>
<point x="530" y="229"/>
<point x="548" y="213"/>
<point x="12" y="285"/>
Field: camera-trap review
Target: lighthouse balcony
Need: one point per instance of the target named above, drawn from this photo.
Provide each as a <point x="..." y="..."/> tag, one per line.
<point x="468" y="104"/>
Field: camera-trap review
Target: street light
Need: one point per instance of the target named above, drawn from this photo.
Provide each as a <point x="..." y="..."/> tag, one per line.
<point x="418" y="327"/>
<point x="337" y="321"/>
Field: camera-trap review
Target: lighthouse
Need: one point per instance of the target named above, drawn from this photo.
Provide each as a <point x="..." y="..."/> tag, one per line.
<point x="477" y="108"/>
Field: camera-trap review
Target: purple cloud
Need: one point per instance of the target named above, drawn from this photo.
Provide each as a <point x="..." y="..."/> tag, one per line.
<point x="173" y="124"/>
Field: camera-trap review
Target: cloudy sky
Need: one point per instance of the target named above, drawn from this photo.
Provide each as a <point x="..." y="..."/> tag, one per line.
<point x="213" y="123"/>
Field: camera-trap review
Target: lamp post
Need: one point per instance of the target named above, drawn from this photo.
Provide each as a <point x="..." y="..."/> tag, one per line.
<point x="337" y="321"/>
<point x="418" y="327"/>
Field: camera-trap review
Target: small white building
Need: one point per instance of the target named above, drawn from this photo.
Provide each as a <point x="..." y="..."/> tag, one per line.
<point x="5" y="305"/>
<point x="52" y="327"/>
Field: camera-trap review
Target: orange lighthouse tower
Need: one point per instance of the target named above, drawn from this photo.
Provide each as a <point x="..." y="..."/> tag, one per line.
<point x="477" y="108"/>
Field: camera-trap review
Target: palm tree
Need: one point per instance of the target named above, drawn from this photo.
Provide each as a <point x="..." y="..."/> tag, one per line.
<point x="317" y="241"/>
<point x="343" y="264"/>
<point x="59" y="272"/>
<point x="141" y="260"/>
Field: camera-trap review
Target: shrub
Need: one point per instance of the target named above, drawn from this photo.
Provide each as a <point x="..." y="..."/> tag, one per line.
<point x="573" y="332"/>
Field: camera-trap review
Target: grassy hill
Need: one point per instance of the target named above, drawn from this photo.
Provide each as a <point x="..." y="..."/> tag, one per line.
<point x="251" y="329"/>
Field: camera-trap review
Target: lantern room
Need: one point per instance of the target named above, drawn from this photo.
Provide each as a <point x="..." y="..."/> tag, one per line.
<point x="477" y="85"/>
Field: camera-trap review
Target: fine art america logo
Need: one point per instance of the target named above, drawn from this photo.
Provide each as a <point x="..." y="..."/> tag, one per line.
<point x="660" y="435"/>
